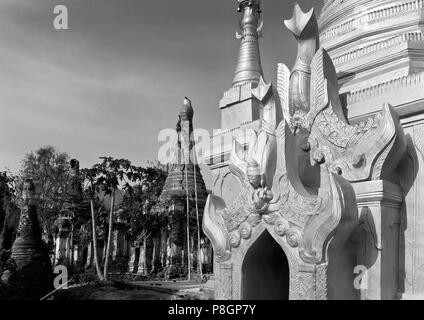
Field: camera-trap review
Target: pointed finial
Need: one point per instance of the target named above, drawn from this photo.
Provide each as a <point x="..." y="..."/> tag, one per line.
<point x="297" y="24"/>
<point x="187" y="101"/>
<point x="249" y="67"/>
<point x="186" y="113"/>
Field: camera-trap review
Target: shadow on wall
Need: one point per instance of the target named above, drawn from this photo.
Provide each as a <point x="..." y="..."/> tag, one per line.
<point x="342" y="249"/>
<point x="408" y="171"/>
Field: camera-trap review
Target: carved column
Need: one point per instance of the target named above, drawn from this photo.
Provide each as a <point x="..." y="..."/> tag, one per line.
<point x="131" y="262"/>
<point x="89" y="255"/>
<point x="206" y="255"/>
<point x="156" y="266"/>
<point x="119" y="248"/>
<point x="163" y="247"/>
<point x="223" y="281"/>
<point x="143" y="260"/>
<point x="379" y="206"/>
<point x="77" y="255"/>
<point x="63" y="245"/>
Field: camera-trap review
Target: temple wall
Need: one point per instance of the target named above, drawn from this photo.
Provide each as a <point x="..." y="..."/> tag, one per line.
<point x="378" y="50"/>
<point x="411" y="238"/>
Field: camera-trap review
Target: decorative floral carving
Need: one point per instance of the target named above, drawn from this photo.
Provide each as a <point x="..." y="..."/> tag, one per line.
<point x="281" y="226"/>
<point x="234" y="238"/>
<point x="245" y="230"/>
<point x="294" y="236"/>
<point x="354" y="152"/>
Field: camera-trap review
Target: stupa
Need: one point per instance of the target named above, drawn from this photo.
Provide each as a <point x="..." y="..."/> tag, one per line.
<point x="184" y="186"/>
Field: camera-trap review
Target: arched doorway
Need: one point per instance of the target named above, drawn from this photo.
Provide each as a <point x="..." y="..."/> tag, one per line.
<point x="265" y="271"/>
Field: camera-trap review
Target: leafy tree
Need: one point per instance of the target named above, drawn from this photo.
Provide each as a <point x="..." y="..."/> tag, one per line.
<point x="49" y="169"/>
<point x="91" y="187"/>
<point x="106" y="177"/>
<point x="9" y="216"/>
<point x="140" y="205"/>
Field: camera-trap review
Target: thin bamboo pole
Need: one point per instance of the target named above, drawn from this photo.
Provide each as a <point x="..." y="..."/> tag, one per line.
<point x="199" y="263"/>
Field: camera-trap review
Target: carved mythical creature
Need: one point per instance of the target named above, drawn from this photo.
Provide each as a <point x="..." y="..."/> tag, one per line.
<point x="304" y="27"/>
<point x="261" y="196"/>
<point x="264" y="150"/>
<point x="311" y="104"/>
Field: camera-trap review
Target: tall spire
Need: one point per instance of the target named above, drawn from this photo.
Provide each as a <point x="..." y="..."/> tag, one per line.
<point x="249" y="67"/>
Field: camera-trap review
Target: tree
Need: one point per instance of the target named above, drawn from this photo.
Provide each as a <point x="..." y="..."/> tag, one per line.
<point x="49" y="169"/>
<point x="140" y="205"/>
<point x="106" y="177"/>
<point x="90" y="183"/>
<point x="9" y="211"/>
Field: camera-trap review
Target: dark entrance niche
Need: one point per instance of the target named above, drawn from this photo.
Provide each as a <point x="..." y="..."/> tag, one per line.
<point x="265" y="271"/>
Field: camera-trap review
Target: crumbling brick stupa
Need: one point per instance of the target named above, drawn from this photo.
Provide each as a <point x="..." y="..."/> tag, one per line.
<point x="31" y="276"/>
<point x="184" y="193"/>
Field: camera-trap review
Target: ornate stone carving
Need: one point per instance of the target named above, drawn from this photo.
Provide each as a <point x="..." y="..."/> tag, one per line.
<point x="357" y="152"/>
<point x="378" y="46"/>
<point x="214" y="227"/>
<point x="304" y="27"/>
<point x="321" y="282"/>
<point x="412" y="81"/>
<point x="302" y="132"/>
<point x="368" y="18"/>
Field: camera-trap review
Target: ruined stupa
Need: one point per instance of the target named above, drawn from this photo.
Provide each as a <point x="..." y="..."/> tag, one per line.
<point x="184" y="186"/>
<point x="33" y="277"/>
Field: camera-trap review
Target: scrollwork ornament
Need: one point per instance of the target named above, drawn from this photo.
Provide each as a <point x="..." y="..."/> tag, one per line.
<point x="319" y="156"/>
<point x="245" y="230"/>
<point x="234" y="239"/>
<point x="293" y="236"/>
<point x="281" y="226"/>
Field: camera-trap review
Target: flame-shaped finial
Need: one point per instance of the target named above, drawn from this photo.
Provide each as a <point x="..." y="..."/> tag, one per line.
<point x="300" y="20"/>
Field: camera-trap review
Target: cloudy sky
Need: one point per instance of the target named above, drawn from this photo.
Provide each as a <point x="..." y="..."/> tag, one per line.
<point x="118" y="76"/>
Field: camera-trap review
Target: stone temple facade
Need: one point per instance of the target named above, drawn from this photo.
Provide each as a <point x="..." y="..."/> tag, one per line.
<point x="317" y="181"/>
<point x="378" y="50"/>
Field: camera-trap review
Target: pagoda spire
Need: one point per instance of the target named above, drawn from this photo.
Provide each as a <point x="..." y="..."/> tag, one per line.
<point x="249" y="67"/>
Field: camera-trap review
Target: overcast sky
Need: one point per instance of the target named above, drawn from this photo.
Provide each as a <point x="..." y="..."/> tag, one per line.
<point x="110" y="83"/>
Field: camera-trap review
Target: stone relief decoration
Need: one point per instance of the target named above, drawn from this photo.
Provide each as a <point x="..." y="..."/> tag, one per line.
<point x="302" y="130"/>
<point x="303" y="219"/>
<point x="311" y="102"/>
<point x="357" y="152"/>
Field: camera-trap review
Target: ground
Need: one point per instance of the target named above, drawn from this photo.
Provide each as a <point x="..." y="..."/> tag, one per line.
<point x="138" y="290"/>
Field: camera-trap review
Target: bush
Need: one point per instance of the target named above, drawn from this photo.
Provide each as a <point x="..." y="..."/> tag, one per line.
<point x="87" y="276"/>
<point x="6" y="263"/>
